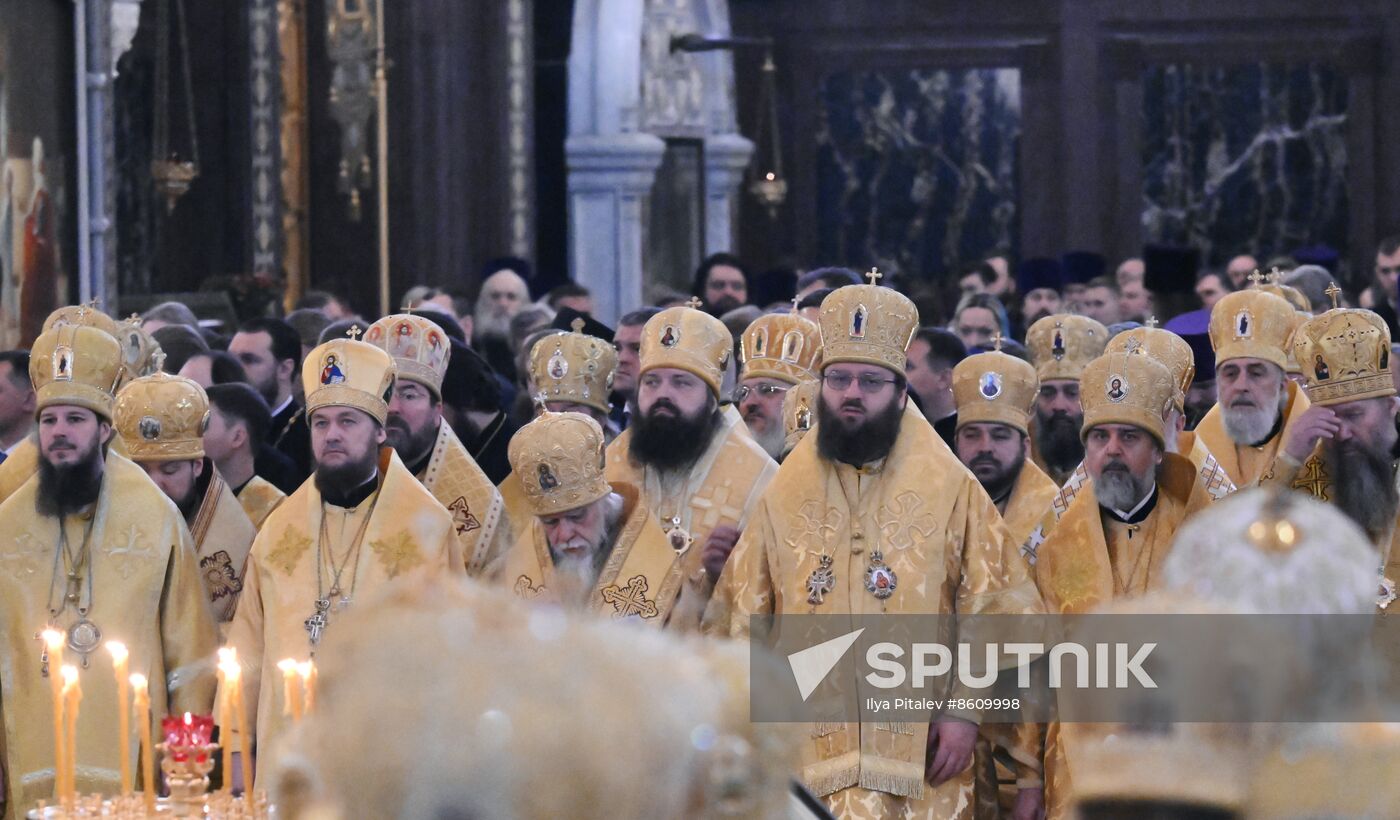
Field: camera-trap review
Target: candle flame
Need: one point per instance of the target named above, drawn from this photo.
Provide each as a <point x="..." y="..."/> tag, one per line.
<point x="53" y="639"/>
<point x="70" y="676"/>
<point x="118" y="650"/>
<point x="189" y="719"/>
<point x="306" y="669"/>
<point x="231" y="670"/>
<point x="228" y="654"/>
<point x="287" y="665"/>
<point x="138" y="681"/>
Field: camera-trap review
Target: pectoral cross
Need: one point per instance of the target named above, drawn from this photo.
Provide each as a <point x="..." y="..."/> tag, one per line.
<point x="354" y="332"/>
<point x="316" y="624"/>
<point x="874" y="276"/>
<point x="1335" y="293"/>
<point x="694" y="303"/>
<point x="1255" y="278"/>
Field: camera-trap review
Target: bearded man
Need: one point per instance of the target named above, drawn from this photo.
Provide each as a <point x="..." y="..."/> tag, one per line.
<point x="777" y="351"/>
<point x="1256" y="404"/>
<point x="1060" y="346"/>
<point x="503" y="294"/>
<point x="1343" y="449"/>
<point x="1119" y="528"/>
<point x="161" y="420"/>
<point x="699" y="471"/>
<point x="359" y="522"/>
<point x="427" y="444"/>
<point x="876" y="493"/>
<point x="591" y="545"/>
<point x="92" y="549"/>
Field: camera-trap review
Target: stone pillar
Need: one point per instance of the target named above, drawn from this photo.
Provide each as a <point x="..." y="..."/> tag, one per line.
<point x="610" y="179"/>
<point x="726" y="157"/>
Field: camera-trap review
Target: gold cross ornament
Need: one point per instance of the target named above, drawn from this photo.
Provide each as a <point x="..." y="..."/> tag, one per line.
<point x="795" y="300"/>
<point x="1152" y="321"/>
<point x="540" y="399"/>
<point x="1334" y="292"/>
<point x="1273" y="276"/>
<point x="694" y="303"/>
<point x="1255" y="278"/>
<point x="874" y="276"/>
<point x="577" y="325"/>
<point x="354" y="332"/>
<point x="996" y="341"/>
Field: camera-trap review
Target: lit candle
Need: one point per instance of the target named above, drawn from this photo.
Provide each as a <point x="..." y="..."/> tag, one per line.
<point x="291" y="684"/>
<point x="234" y="675"/>
<point x="307" y="670"/>
<point x="119" y="664"/>
<point x="226" y="715"/>
<point x="143" y="722"/>
<point x="53" y="642"/>
<point x="72" y="696"/>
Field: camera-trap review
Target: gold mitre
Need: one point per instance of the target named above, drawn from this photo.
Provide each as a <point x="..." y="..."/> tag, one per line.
<point x="1126" y="388"/>
<point x="349" y="373"/>
<point x="782" y="346"/>
<point x="689" y="339"/>
<point x="1345" y="356"/>
<point x="559" y="460"/>
<point x="419" y="347"/>
<point x="78" y="365"/>
<point x="1273" y="551"/>
<point x="140" y="350"/>
<point x="1253" y="324"/>
<point x="1290" y="294"/>
<point x="800" y="411"/>
<point x="1293" y="368"/>
<point x="995" y="387"/>
<point x="1331" y="770"/>
<point x="868" y="324"/>
<point x="1164" y="346"/>
<point x="162" y="418"/>
<point x="574" y="367"/>
<point x="84" y="315"/>
<point x="1062" y="344"/>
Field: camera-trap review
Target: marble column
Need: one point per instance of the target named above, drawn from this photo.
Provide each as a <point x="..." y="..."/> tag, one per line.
<point x="726" y="157"/>
<point x="610" y="179"/>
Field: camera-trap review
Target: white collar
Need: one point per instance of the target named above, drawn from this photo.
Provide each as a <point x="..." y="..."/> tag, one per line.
<point x="1128" y="516"/>
<point x="282" y="406"/>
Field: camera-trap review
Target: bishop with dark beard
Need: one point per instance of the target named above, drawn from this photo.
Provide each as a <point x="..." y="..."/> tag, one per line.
<point x="1343" y="448"/>
<point x="93" y="551"/>
<point x="1061" y="345"/>
<point x="699" y="471"/>
<point x="873" y="515"/>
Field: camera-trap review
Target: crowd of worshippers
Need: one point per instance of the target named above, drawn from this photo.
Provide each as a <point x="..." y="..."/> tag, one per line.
<point x="814" y="442"/>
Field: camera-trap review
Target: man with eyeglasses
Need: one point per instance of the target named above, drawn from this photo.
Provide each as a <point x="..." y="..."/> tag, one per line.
<point x="873" y="514"/>
<point x="778" y="351"/>
<point x="700" y="472"/>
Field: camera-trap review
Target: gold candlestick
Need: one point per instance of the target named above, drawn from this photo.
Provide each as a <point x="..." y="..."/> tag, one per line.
<point x="119" y="666"/>
<point x="143" y="721"/>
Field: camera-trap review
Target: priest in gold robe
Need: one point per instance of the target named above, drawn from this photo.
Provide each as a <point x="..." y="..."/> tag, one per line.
<point x="589" y="545"/>
<point x="995" y="394"/>
<point x="700" y="472"/>
<point x="93" y="549"/>
<point x="238" y="424"/>
<point x="1343" y="448"/>
<point x="427" y="444"/>
<point x="161" y="419"/>
<point x="777" y="351"/>
<point x="1256" y="404"/>
<point x="1060" y="346"/>
<point x="873" y="514"/>
<point x="360" y="521"/>
<point x="1119" y="528"/>
<point x="575" y="372"/>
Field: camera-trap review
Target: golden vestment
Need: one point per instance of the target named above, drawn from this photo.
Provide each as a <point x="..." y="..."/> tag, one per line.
<point x="19" y="465"/>
<point x="479" y="518"/>
<point x="938" y="531"/>
<point x="407" y="531"/>
<point x="1028" y="514"/>
<point x="259" y="498"/>
<point x="1090" y="560"/>
<point x="146" y="593"/>
<point x="722" y="487"/>
<point x="1242" y="463"/>
<point x="1314" y="477"/>
<point x="222" y="537"/>
<point x="641" y="578"/>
